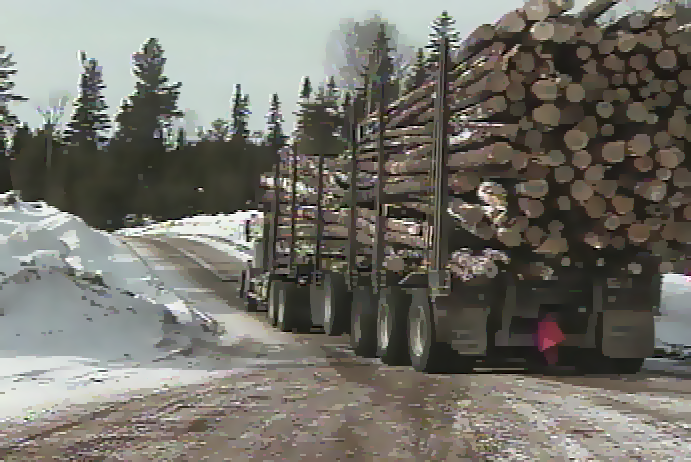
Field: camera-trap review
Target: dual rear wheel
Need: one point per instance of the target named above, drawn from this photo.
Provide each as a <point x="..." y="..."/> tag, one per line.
<point x="399" y="327"/>
<point x="286" y="310"/>
<point x="251" y="304"/>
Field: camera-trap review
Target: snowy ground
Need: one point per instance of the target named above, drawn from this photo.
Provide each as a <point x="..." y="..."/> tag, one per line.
<point x="81" y="316"/>
<point x="224" y="232"/>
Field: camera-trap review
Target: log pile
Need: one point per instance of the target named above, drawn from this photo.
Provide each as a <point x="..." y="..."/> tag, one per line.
<point x="585" y="125"/>
<point x="582" y="128"/>
<point x="600" y="120"/>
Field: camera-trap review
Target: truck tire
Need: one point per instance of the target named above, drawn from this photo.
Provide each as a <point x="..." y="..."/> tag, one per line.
<point x="363" y="323"/>
<point x="251" y="304"/>
<point x="292" y="311"/>
<point x="241" y="289"/>
<point x="627" y="365"/>
<point x="392" y="327"/>
<point x="595" y="362"/>
<point x="335" y="302"/>
<point x="272" y="309"/>
<point x="427" y="354"/>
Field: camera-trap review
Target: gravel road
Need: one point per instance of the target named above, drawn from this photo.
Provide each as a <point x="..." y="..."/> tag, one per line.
<point x="306" y="397"/>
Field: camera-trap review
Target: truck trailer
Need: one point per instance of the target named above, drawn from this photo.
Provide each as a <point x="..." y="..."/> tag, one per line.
<point x="385" y="244"/>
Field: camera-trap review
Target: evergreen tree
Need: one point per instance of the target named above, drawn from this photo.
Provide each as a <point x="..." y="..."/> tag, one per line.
<point x="332" y="89"/>
<point x="275" y="137"/>
<point x="144" y="119"/>
<point x="29" y="169"/>
<point x="181" y="140"/>
<point x="5" y="167"/>
<point x="177" y="185"/>
<point x="89" y="122"/>
<point x="148" y="112"/>
<point x="380" y="68"/>
<point x="240" y="114"/>
<point x="347" y="101"/>
<point x="344" y="112"/>
<point x="220" y="129"/>
<point x="442" y="26"/>
<point x="84" y="136"/>
<point x="319" y="125"/>
<point x="306" y="90"/>
<point x="6" y="86"/>
<point x="6" y="117"/>
<point x="418" y="72"/>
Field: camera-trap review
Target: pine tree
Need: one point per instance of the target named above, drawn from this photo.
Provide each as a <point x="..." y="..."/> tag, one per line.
<point x="332" y="92"/>
<point x="29" y="170"/>
<point x="5" y="170"/>
<point x="89" y="122"/>
<point x="319" y="124"/>
<point x="181" y="140"/>
<point x="6" y="86"/>
<point x="220" y="129"/>
<point x="275" y="137"/>
<point x="147" y="113"/>
<point x="381" y="68"/>
<point x="418" y="72"/>
<point x="306" y="90"/>
<point x="246" y="113"/>
<point x="144" y="119"/>
<point x="240" y="114"/>
<point x="347" y="101"/>
<point x="6" y="117"/>
<point x="441" y="27"/>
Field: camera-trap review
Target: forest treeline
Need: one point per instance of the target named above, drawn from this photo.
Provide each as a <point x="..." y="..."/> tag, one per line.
<point x="104" y="169"/>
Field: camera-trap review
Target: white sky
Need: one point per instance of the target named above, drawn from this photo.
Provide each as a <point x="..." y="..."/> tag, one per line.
<point x="266" y="46"/>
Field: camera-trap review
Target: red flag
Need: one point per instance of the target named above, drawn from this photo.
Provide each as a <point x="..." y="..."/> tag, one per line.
<point x="548" y="337"/>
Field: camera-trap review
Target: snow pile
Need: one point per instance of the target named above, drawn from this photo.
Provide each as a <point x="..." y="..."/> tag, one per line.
<point x="73" y="298"/>
<point x="229" y="227"/>
<point x="226" y="233"/>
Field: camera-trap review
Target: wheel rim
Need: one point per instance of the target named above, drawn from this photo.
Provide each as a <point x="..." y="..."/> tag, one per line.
<point x="272" y="299"/>
<point x="281" y="306"/>
<point x="356" y="328"/>
<point x="384" y="327"/>
<point x="419" y="332"/>
<point x="327" y="306"/>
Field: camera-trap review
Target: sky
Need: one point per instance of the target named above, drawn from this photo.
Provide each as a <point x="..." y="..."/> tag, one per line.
<point x="266" y="46"/>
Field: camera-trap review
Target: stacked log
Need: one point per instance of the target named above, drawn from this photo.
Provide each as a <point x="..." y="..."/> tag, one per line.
<point x="604" y="143"/>
<point x="584" y="126"/>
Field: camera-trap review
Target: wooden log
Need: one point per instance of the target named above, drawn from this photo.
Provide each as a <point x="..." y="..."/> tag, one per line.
<point x="595" y="9"/>
<point x="460" y="130"/>
<point x="486" y="110"/>
<point x="499" y="152"/>
<point x="396" y="135"/>
<point x="415" y="154"/>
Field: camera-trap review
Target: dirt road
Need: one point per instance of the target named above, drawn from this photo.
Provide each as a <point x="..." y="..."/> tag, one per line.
<point x="306" y="397"/>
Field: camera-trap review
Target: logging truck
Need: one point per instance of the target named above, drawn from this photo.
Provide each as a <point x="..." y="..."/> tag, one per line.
<point x="583" y="203"/>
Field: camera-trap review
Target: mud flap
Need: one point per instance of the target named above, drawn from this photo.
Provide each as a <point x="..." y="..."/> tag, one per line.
<point x="462" y="318"/>
<point x="628" y="334"/>
<point x="470" y="338"/>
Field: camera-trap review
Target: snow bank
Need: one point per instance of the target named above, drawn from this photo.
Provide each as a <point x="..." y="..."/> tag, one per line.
<point x="73" y="299"/>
